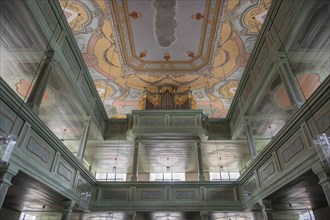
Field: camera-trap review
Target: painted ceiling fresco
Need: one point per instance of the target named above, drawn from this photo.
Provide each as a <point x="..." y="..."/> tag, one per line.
<point x="132" y="45"/>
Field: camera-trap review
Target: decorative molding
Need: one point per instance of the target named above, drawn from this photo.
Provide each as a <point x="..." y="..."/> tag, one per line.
<point x="154" y="195"/>
<point x="86" y="91"/>
<point x="221" y="195"/>
<point x="114" y="195"/>
<point x="48" y="14"/>
<point x="267" y="170"/>
<point x="185" y="195"/>
<point x="182" y="121"/>
<point x="322" y="120"/>
<point x="293" y="149"/>
<point x="70" y="58"/>
<point x="6" y="123"/>
<point x="35" y="148"/>
<point x="200" y="64"/>
<point x="82" y="184"/>
<point x="64" y="171"/>
<point x="251" y="185"/>
<point x="152" y="121"/>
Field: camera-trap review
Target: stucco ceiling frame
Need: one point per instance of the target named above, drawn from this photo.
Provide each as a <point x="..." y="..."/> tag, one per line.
<point x="204" y="69"/>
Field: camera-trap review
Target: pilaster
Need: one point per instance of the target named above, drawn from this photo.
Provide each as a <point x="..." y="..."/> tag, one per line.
<point x="40" y="86"/>
<point x="135" y="161"/>
<point x="67" y="210"/>
<point x="131" y="215"/>
<point x="201" y="176"/>
<point x="290" y="83"/>
<point x="324" y="177"/>
<point x="250" y="140"/>
<point x="204" y="215"/>
<point x="266" y="209"/>
<point x="83" y="140"/>
<point x="6" y="174"/>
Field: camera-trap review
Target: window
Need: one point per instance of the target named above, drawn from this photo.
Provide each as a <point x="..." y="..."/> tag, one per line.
<point x="224" y="176"/>
<point x="111" y="176"/>
<point x="307" y="216"/>
<point x="101" y="176"/>
<point x="233" y="176"/>
<point x="167" y="177"/>
<point x="26" y="216"/>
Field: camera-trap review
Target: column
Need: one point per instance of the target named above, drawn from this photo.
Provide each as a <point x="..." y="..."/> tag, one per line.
<point x="40" y="86"/>
<point x="135" y="161"/>
<point x="67" y="210"/>
<point x="250" y="140"/>
<point x="131" y="215"/>
<point x="83" y="140"/>
<point x="324" y="177"/>
<point x="201" y="176"/>
<point x="290" y="83"/>
<point x="204" y="215"/>
<point x="266" y="209"/>
<point x="6" y="173"/>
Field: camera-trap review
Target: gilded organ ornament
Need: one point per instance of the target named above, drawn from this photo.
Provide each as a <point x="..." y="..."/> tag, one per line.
<point x="167" y="98"/>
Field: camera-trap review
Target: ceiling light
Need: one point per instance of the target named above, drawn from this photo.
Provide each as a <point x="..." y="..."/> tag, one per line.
<point x="7" y="144"/>
<point x="322" y="145"/>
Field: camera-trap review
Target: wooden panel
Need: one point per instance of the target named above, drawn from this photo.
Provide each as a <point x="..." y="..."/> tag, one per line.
<point x="9" y="121"/>
<point x="65" y="171"/>
<point x="216" y="194"/>
<point x="322" y="119"/>
<point x="250" y="185"/>
<point x="283" y="16"/>
<point x="86" y="90"/>
<point x="236" y="112"/>
<point x="6" y="122"/>
<point x="48" y="13"/>
<point x="39" y="150"/>
<point x="267" y="171"/>
<point x="70" y="58"/>
<point x="292" y="149"/>
<point x="151" y="121"/>
<point x="97" y="112"/>
<point x="115" y="195"/>
<point x="82" y="184"/>
<point x="246" y="91"/>
<point x="182" y="121"/>
<point x="27" y="193"/>
<point x="150" y="194"/>
<point x="186" y="194"/>
<point x="260" y="61"/>
<point x="35" y="148"/>
<point x="303" y="192"/>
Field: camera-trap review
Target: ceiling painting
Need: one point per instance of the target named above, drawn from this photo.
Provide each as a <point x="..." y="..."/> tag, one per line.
<point x="165" y="37"/>
<point x="129" y="45"/>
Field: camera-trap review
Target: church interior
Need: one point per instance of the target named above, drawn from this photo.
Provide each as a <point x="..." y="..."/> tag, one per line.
<point x="164" y="109"/>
